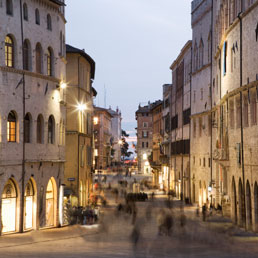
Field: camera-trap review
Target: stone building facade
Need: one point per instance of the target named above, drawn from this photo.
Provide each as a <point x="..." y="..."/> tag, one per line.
<point x="144" y="138"/>
<point x="235" y="109"/>
<point x="80" y="72"/>
<point x="32" y="116"/>
<point x="102" y="138"/>
<point x="157" y="136"/>
<point x="201" y="168"/>
<point x="116" y="132"/>
<point x="180" y="111"/>
<point x="229" y="83"/>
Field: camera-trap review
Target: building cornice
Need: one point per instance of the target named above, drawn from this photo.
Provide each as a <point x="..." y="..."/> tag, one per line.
<point x="28" y="73"/>
<point x="201" y="69"/>
<point x="187" y="45"/>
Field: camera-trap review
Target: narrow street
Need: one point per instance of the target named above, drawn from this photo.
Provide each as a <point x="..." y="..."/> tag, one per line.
<point x="112" y="237"/>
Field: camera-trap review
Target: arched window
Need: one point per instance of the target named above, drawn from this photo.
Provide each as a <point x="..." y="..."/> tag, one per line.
<point x="9" y="7"/>
<point x="195" y="57"/>
<point x="25" y="12"/>
<point x="38" y="58"/>
<point x="201" y="47"/>
<point x="40" y="129"/>
<point x="51" y="129"/>
<point x="27" y="128"/>
<point x="37" y="16"/>
<point x="9" y="51"/>
<point x="26" y="55"/>
<point x="49" y="62"/>
<point x="61" y="43"/>
<point x="49" y="22"/>
<point x="11" y="127"/>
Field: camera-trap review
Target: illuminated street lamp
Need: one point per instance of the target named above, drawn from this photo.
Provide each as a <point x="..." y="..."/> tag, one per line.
<point x="63" y="85"/>
<point x="81" y="107"/>
<point x="120" y="142"/>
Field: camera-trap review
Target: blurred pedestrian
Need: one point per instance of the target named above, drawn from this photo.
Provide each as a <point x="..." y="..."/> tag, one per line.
<point x="168" y="224"/>
<point x="160" y="221"/>
<point x="134" y="213"/>
<point x="204" y="209"/>
<point x="148" y="212"/>
<point x="135" y="236"/>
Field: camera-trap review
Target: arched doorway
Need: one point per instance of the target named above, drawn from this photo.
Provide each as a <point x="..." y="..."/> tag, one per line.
<point x="240" y="204"/>
<point x="81" y="194"/>
<point x="50" y="203"/>
<point x="234" y="201"/>
<point x="204" y="193"/>
<point x="193" y="192"/>
<point x="29" y="205"/>
<point x="256" y="206"/>
<point x="248" y="206"/>
<point x="9" y="204"/>
<point x="200" y="194"/>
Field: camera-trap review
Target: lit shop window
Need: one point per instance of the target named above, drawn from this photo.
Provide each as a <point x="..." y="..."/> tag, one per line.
<point x="11" y="127"/>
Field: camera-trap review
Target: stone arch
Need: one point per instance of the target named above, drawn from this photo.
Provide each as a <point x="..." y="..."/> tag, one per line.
<point x="10" y="204"/>
<point x="256" y="206"/>
<point x="30" y="204"/>
<point x="51" y="203"/>
<point x="234" y="201"/>
<point x="241" y="207"/>
<point x="248" y="206"/>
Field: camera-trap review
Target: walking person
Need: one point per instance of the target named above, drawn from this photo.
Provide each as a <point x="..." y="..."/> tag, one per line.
<point x="204" y="209"/>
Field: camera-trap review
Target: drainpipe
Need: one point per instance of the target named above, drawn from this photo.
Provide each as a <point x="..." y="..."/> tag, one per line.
<point x="21" y="226"/>
<point x="241" y="120"/>
<point x="78" y="147"/>
<point x="182" y="158"/>
<point x="211" y="87"/>
<point x="190" y="128"/>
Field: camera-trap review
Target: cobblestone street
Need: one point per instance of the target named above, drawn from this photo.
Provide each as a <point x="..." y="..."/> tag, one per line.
<point x="112" y="237"/>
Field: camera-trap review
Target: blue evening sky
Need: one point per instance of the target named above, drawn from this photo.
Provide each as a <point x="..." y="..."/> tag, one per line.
<point x="133" y="43"/>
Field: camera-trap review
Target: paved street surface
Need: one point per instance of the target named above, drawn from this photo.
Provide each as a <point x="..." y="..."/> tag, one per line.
<point x="113" y="236"/>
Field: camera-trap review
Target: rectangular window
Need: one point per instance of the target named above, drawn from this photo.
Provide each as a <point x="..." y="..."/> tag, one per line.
<point x="232" y="114"/>
<point x="225" y="58"/>
<point x="82" y="155"/>
<point x="145" y="134"/>
<point x="89" y="155"/>
<point x="200" y="126"/>
<point x="245" y="111"/>
<point x="145" y="124"/>
<point x="186" y="116"/>
<point x="147" y="144"/>
<point x="238" y="113"/>
<point x="253" y="108"/>
<point x="209" y="162"/>
<point x="142" y="144"/>
<point x="204" y="162"/>
<point x="194" y="128"/>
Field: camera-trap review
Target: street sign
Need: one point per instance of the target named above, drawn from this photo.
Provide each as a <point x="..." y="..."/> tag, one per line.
<point x="71" y="179"/>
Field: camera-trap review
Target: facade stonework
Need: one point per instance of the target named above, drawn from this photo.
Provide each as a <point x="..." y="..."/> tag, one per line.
<point x="32" y="115"/>
<point x="80" y="71"/>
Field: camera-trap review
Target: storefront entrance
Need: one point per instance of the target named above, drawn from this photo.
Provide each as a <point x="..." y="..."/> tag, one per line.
<point x="9" y="201"/>
<point x="50" y="204"/>
<point x="29" y="200"/>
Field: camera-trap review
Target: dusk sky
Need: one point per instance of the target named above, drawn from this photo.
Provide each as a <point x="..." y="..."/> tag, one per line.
<point x="133" y="43"/>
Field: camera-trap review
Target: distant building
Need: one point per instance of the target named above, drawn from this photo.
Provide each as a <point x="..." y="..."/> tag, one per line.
<point x="180" y="110"/>
<point x="116" y="135"/>
<point x="157" y="137"/>
<point x="102" y="138"/>
<point x="165" y="178"/>
<point x="80" y="71"/>
<point x="144" y="136"/>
